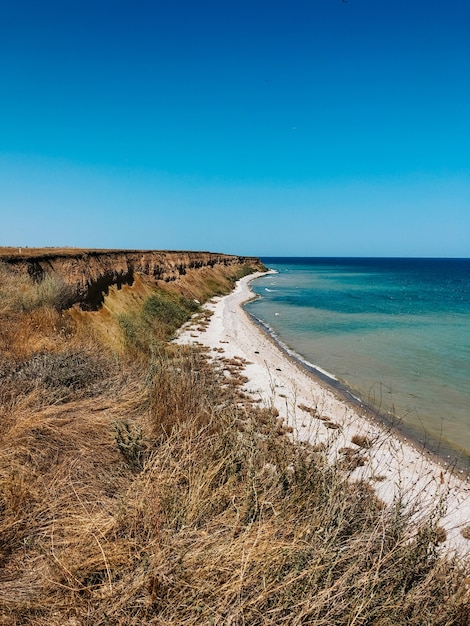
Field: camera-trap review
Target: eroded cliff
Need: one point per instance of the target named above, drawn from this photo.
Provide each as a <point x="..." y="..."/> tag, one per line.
<point x="90" y="273"/>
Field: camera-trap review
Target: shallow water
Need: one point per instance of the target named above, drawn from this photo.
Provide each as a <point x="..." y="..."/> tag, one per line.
<point x="394" y="331"/>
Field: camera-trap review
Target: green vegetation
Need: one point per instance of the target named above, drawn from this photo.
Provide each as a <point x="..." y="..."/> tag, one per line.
<point x="159" y="316"/>
<point x="142" y="486"/>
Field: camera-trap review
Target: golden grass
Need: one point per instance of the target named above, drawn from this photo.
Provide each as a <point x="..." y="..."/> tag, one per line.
<point x="139" y="485"/>
<point x="22" y="252"/>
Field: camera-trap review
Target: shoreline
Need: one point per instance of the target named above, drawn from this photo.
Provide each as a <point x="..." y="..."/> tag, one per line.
<point x="318" y="411"/>
<point x="440" y="452"/>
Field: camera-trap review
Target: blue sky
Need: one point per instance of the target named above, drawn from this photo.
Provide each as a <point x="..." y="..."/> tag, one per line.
<point x="319" y="127"/>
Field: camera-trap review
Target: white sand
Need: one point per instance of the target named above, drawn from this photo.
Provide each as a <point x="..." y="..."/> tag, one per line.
<point x="393" y="466"/>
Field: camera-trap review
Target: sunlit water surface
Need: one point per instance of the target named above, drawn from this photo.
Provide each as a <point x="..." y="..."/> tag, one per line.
<point x="394" y="331"/>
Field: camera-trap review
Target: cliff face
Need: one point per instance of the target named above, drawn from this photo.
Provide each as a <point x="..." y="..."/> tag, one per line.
<point x="89" y="274"/>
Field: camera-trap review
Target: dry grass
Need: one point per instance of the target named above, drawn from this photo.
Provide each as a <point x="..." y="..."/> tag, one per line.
<point x="14" y="251"/>
<point x="362" y="441"/>
<point x="140" y="486"/>
<point x="19" y="293"/>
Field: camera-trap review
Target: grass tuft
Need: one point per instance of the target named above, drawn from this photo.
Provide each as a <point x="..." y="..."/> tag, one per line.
<point x="19" y="292"/>
<point x="362" y="441"/>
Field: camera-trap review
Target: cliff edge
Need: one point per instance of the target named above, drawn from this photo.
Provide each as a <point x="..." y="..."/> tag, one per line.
<point x="89" y="273"/>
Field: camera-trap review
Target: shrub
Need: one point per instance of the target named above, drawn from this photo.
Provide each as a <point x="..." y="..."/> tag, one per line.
<point x="129" y="439"/>
<point x="57" y="376"/>
<point x="19" y="292"/>
<point x="169" y="310"/>
<point x="50" y="291"/>
<point x="160" y="315"/>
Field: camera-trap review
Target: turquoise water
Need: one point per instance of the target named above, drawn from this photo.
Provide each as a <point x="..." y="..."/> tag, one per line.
<point x="396" y="332"/>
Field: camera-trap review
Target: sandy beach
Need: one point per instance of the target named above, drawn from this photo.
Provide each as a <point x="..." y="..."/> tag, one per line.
<point x="392" y="464"/>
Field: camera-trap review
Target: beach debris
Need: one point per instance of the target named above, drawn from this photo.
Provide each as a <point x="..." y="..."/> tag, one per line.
<point x="308" y="409"/>
<point x="440" y="535"/>
<point x="352" y="458"/>
<point x="379" y="478"/>
<point x="313" y="412"/>
<point x="362" y="441"/>
<point x="465" y="532"/>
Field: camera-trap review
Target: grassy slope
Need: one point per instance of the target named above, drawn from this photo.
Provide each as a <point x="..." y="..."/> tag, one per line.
<point x="139" y="485"/>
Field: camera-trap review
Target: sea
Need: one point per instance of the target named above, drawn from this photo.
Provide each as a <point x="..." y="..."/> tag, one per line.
<point x="394" y="332"/>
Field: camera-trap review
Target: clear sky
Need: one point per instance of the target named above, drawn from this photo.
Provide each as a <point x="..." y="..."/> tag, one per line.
<point x="264" y="127"/>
